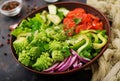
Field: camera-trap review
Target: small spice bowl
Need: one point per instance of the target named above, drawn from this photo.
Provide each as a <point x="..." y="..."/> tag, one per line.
<point x="11" y="7"/>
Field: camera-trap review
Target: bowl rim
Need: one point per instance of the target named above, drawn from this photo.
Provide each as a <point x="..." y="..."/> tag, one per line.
<point x="73" y="70"/>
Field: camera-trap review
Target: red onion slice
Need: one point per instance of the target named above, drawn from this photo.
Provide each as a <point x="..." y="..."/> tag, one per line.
<point x="85" y="60"/>
<point x="61" y="64"/>
<point x="51" y="69"/>
<point x="77" y="65"/>
<point x="68" y="63"/>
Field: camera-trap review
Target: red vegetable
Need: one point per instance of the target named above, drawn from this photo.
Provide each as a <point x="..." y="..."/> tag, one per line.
<point x="77" y="64"/>
<point x="78" y="20"/>
<point x="68" y="63"/>
<point x="52" y="68"/>
<point x="85" y="60"/>
<point x="61" y="64"/>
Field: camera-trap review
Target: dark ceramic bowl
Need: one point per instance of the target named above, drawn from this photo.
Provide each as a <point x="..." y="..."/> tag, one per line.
<point x="70" y="6"/>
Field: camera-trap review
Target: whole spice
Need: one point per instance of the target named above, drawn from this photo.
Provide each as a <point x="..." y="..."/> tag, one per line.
<point x="5" y="54"/>
<point x="10" y="5"/>
<point x="8" y="41"/>
<point x="1" y="44"/>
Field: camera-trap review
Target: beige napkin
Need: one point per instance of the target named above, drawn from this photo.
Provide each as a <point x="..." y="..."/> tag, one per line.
<point x="107" y="67"/>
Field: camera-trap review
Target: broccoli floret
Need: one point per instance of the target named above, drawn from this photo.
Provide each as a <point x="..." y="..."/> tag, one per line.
<point x="57" y="55"/>
<point x="20" y="44"/>
<point x="24" y="58"/>
<point x="43" y="62"/>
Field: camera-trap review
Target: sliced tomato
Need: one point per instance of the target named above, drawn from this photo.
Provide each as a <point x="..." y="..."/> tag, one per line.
<point x="88" y="21"/>
<point x="68" y="23"/>
<point x="87" y="18"/>
<point x="76" y="12"/>
<point x="89" y="26"/>
<point x="97" y="25"/>
<point x="79" y="10"/>
<point x="80" y="27"/>
<point x="94" y="17"/>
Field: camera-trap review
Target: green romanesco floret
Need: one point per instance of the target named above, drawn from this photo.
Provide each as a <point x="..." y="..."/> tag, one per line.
<point x="28" y="56"/>
<point x="39" y="37"/>
<point x="24" y="58"/>
<point x="56" y="33"/>
<point x="34" y="53"/>
<point x="55" y="45"/>
<point x="43" y="62"/>
<point x="57" y="55"/>
<point x="20" y="44"/>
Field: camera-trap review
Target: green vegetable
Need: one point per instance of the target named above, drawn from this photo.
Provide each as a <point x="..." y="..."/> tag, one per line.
<point x="87" y="43"/>
<point x="27" y="57"/>
<point x="20" y="30"/>
<point x="77" y="21"/>
<point x="66" y="51"/>
<point x="86" y="54"/>
<point x="102" y="36"/>
<point x="24" y="58"/>
<point x="88" y="31"/>
<point x="20" y="44"/>
<point x="61" y="15"/>
<point x="95" y="37"/>
<point x="57" y="55"/>
<point x="52" y="9"/>
<point x="34" y="52"/>
<point x="78" y="44"/>
<point x="43" y="62"/>
<point x="54" y="18"/>
<point x="64" y="11"/>
<point x="55" y="45"/>
<point x="56" y="33"/>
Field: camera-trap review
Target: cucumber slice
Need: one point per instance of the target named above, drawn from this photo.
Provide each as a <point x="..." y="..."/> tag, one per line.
<point x="52" y="9"/>
<point x="64" y="10"/>
<point x="44" y="15"/>
<point x="54" y="18"/>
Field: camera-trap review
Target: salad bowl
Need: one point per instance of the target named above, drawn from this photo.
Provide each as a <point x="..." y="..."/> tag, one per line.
<point x="70" y="6"/>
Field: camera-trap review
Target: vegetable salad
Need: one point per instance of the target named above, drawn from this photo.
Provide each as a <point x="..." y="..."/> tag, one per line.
<point x="59" y="40"/>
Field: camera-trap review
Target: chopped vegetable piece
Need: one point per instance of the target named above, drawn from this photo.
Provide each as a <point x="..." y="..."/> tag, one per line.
<point x="52" y="9"/>
<point x="54" y="18"/>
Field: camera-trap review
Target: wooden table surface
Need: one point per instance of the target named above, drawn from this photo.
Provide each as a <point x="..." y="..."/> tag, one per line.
<point x="10" y="70"/>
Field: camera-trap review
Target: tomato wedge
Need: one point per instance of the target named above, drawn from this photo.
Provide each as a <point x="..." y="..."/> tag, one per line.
<point x="77" y="20"/>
